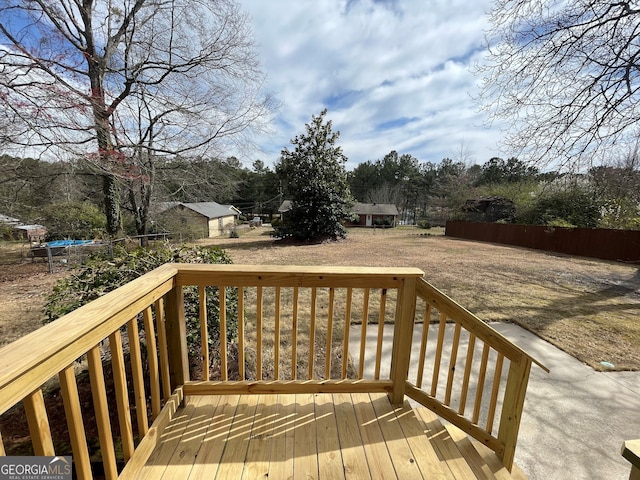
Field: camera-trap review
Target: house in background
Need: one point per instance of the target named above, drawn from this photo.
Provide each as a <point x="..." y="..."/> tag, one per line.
<point x="365" y="214"/>
<point x="375" y="214"/>
<point x="199" y="219"/>
<point x="17" y="230"/>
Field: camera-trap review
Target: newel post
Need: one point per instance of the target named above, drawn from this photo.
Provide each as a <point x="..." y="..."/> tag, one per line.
<point x="631" y="451"/>
<point x="176" y="337"/>
<point x="402" y="338"/>
<point x="512" y="407"/>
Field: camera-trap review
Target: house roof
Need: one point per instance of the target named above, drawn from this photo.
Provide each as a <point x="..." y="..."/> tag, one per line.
<point x="285" y="206"/>
<point x="374" y="209"/>
<point x="206" y="209"/>
<point x="29" y="227"/>
<point x="9" y="220"/>
<point x="358" y="208"/>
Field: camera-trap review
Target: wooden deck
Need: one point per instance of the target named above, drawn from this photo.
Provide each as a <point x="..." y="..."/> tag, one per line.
<point x="326" y="436"/>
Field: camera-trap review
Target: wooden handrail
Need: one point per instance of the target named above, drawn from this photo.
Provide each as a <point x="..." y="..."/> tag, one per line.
<point x="33" y="359"/>
<point x="472" y="323"/>
<point x="513" y="387"/>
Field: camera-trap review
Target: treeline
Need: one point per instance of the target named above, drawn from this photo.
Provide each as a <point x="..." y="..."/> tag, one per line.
<point x="67" y="196"/>
<point x="604" y="196"/>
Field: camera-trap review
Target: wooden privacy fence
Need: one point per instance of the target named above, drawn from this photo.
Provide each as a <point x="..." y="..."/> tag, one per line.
<point x="281" y="330"/>
<point x="607" y="244"/>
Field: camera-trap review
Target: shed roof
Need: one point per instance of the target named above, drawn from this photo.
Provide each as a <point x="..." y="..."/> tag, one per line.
<point x="206" y="209"/>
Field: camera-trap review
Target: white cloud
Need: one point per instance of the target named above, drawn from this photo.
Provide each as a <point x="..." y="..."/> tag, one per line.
<point x="393" y="74"/>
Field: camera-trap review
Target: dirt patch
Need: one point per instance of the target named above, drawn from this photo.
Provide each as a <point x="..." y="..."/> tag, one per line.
<point x="23" y="290"/>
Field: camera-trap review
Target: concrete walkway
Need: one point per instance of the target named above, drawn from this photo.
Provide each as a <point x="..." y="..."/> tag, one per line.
<point x="575" y="419"/>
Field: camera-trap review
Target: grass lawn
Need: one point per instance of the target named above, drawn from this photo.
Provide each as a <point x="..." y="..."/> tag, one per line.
<point x="586" y="307"/>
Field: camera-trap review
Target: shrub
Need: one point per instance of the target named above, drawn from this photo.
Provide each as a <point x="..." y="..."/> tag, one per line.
<point x="276" y="223"/>
<point x="576" y="207"/>
<point x="102" y="273"/>
<point x="425" y="224"/>
<point x="77" y="220"/>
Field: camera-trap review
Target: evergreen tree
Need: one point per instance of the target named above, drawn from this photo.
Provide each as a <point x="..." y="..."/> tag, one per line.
<point x="315" y="181"/>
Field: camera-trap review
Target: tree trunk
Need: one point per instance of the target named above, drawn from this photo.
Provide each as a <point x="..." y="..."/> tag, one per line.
<point x="111" y="204"/>
<point x="141" y="212"/>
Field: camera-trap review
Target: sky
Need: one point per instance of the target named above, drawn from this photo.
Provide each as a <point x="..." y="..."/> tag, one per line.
<point x="393" y="74"/>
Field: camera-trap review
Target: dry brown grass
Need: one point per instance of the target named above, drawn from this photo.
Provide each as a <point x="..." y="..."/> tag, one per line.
<point x="586" y="307"/>
<point x="287" y="368"/>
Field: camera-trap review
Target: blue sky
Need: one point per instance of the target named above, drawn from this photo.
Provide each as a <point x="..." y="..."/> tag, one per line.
<point x="393" y="74"/>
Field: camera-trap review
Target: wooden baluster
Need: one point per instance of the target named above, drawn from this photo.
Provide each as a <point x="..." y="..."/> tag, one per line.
<point x="3" y="452"/>
<point x="176" y="328"/>
<point x="276" y="353"/>
<point x="452" y="363"/>
<point x="494" y="392"/>
<point x="294" y="335"/>
<point x="223" y="334"/>
<point x="426" y="321"/>
<point x="241" y="332"/>
<point x="467" y="374"/>
<point x="327" y="360"/>
<point x="38" y="421"/>
<point x="436" y="363"/>
<point x="381" y="316"/>
<point x="204" y="332"/>
<point x="100" y="405"/>
<point x="138" y="377"/>
<point x="259" y="302"/>
<point x="152" y="358"/>
<point x="347" y="325"/>
<point x="162" y="348"/>
<point x="73" y="414"/>
<point x="481" y="377"/>
<point x="122" y="394"/>
<point x="363" y="333"/>
<point x="312" y="332"/>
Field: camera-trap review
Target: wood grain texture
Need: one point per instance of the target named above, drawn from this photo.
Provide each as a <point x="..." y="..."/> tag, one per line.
<point x="38" y="421"/>
<point x="308" y="436"/>
<point x="73" y="413"/>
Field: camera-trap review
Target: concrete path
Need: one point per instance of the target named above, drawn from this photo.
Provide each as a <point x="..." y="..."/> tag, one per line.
<point x="575" y="419"/>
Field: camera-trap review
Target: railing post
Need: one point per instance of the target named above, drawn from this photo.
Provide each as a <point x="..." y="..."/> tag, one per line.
<point x="402" y="338"/>
<point x="176" y="337"/>
<point x="512" y="407"/>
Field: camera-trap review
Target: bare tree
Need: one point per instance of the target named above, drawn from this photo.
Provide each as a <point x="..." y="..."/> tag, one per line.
<point x="566" y="75"/>
<point x="122" y="82"/>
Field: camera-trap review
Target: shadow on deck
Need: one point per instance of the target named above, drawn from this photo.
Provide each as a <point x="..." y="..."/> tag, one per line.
<point x="315" y="436"/>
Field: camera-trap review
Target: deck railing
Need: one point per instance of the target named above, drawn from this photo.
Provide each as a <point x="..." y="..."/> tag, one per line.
<point x="279" y="330"/>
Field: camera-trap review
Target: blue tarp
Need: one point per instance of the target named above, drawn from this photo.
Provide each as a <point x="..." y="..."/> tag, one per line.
<point x="68" y="243"/>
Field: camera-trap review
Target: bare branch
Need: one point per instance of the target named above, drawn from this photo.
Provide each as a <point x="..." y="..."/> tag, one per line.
<point x="566" y="74"/>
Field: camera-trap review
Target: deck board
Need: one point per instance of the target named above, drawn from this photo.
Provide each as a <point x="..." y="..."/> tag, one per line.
<point x="282" y="450"/>
<point x="314" y="436"/>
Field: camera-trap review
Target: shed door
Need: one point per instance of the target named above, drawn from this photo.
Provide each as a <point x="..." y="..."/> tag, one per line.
<point x="369" y="221"/>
